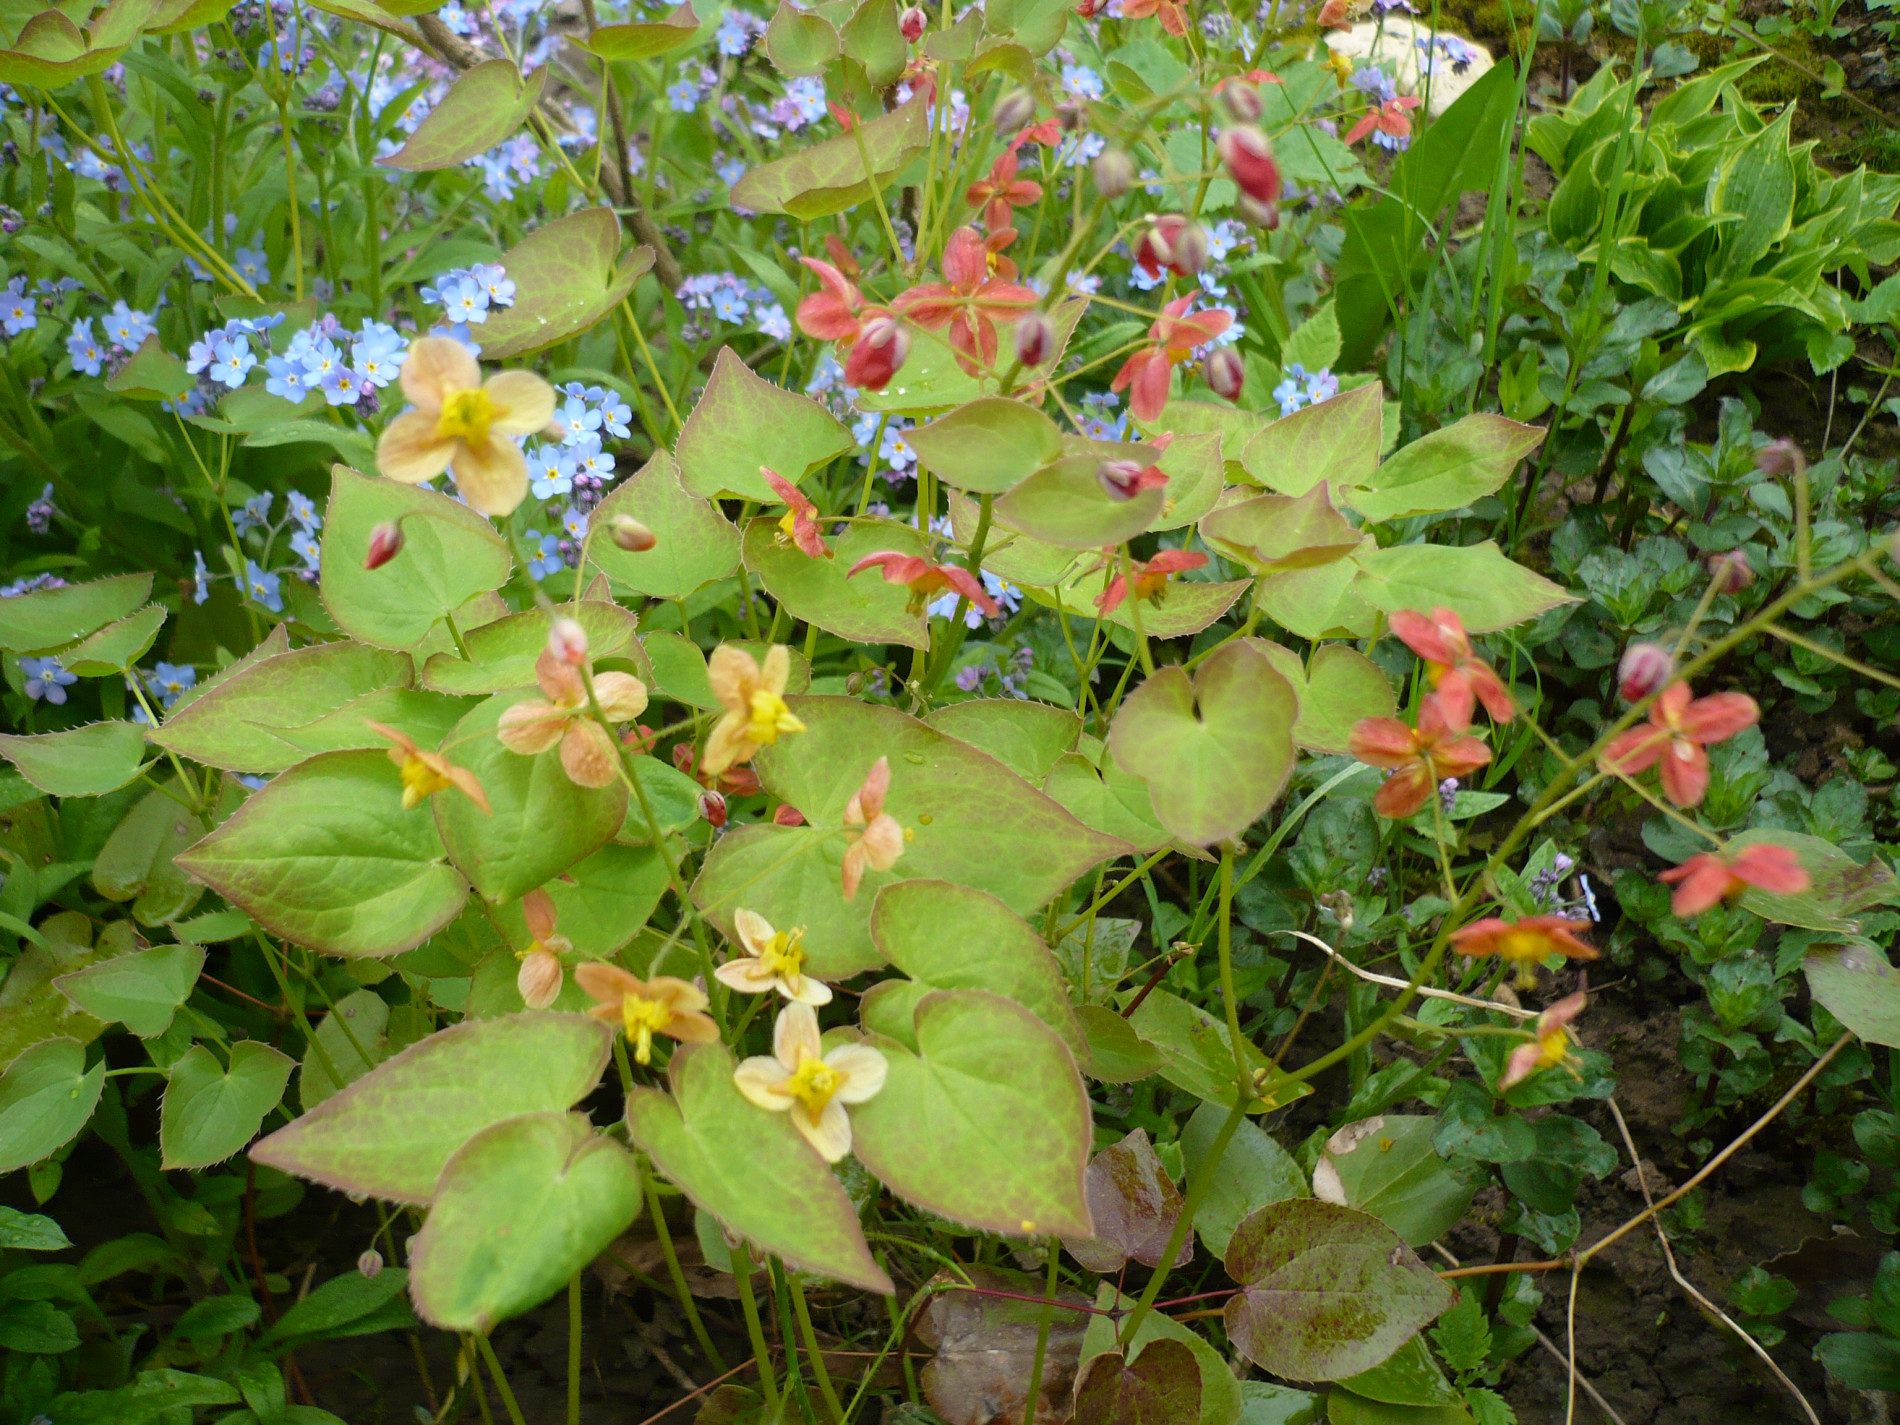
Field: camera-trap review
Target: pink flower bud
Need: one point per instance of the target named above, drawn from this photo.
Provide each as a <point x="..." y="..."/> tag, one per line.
<point x="385" y="543"/>
<point x="1646" y="668"/>
<point x="1265" y="216"/>
<point x="1224" y="372"/>
<point x="913" y="22"/>
<point x="629" y="534"/>
<point x="712" y="808"/>
<point x="567" y="641"/>
<point x="370" y="1263"/>
<point x="539" y="978"/>
<point x="1190" y="249"/>
<point x="1114" y="173"/>
<point x="1730" y="572"/>
<point x="788" y="816"/>
<point x="1174" y="243"/>
<point x="1125" y="479"/>
<point x="877" y="355"/>
<point x="1013" y="110"/>
<point x="1035" y="340"/>
<point x="1779" y="458"/>
<point x="1250" y="162"/>
<point x="1241" y="101"/>
<point x="1335" y="15"/>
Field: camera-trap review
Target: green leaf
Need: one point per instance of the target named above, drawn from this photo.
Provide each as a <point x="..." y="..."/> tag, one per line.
<point x="1476" y="581"/>
<point x="601" y="903"/>
<point x="1111" y="801"/>
<point x="987" y="1125"/>
<point x="992" y="948"/>
<point x="32" y="1009"/>
<point x="1254" y="1172"/>
<point x="351" y="1040"/>
<point x="1161" y="1387"/>
<point x="449" y="555"/>
<point x="153" y="374"/>
<point x="1274" y="533"/>
<point x="1216" y="749"/>
<point x="872" y="38"/>
<point x="864" y="609"/>
<point x="141" y="991"/>
<point x="216" y="1316"/>
<point x="482" y="108"/>
<point x="349" y="1304"/>
<point x="326" y="856"/>
<point x="1859" y="988"/>
<point x="1388" y="1167"/>
<point x="210" y="1113"/>
<point x="1265" y="1404"/>
<point x="230" y="726"/>
<point x="695" y="543"/>
<point x="520" y="1208"/>
<point x="1446" y="469"/>
<point x="1341" y="686"/>
<point x="1314" y="344"/>
<point x="1335" y="441"/>
<point x="1185" y="606"/>
<point x="46" y="1096"/>
<point x="1839" y="888"/>
<point x="47" y="619"/>
<point x="987" y="446"/>
<point x="1861" y="1360"/>
<point x="37" y="1328"/>
<point x="743" y="421"/>
<point x="84" y="761"/>
<point x="1197" y="1055"/>
<point x="1345" y="1407"/>
<point x="1117" y="1054"/>
<point x="502" y="654"/>
<point x="831" y="176"/>
<point x="1220" y="1393"/>
<point x="800" y="43"/>
<point x="643" y="40"/>
<point x="26" y="1232"/>
<point x="750" y="1169"/>
<point x="1065" y="504"/>
<point x="425" y="717"/>
<point x="542" y="823"/>
<point x="392" y="1132"/>
<point x="1322" y="602"/>
<point x="1026" y="737"/>
<point x="154" y="1396"/>
<point x="1326" y="1291"/>
<point x="566" y="279"/>
<point x="117" y="646"/>
<point x="138" y="863"/>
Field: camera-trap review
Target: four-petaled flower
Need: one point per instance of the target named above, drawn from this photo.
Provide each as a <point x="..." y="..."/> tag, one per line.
<point x="1389" y="119"/>
<point x="1681" y="725"/>
<point x="539" y="978"/>
<point x="1420" y="757"/>
<point x="1172" y="13"/>
<point x="969" y="301"/>
<point x="881" y="840"/>
<point x="872" y="341"/>
<point x="775" y="961"/>
<point x="461" y="424"/>
<point x="800" y="524"/>
<point x="927" y="580"/>
<point x="1175" y="336"/>
<point x="800" y="1078"/>
<point x="1459" y="675"/>
<point x="754" y="698"/>
<point x="1525" y="943"/>
<point x="644" y="1008"/>
<point x="1001" y="191"/>
<point x="1151" y="578"/>
<point x="833" y="313"/>
<point x="1550" y="1048"/>
<point x="425" y="773"/>
<point x="1709" y="878"/>
<point x="587" y="749"/>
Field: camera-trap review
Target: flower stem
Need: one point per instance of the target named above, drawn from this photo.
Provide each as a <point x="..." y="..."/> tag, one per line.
<point x="501" y="1380"/>
<point x="1050" y="1283"/>
<point x="687" y="1305"/>
<point x="768" y="1380"/>
<point x="812" y="1353"/>
<point x="574" y="1349"/>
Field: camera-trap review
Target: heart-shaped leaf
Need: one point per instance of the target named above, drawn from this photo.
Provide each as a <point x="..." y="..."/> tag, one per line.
<point x="988" y="445"/>
<point x="1254" y="1171"/>
<point x="743" y="421"/>
<point x="798" y="42"/>
<point x="1335" y="440"/>
<point x="1274" y="533"/>
<point x="1214" y="749"/>
<point x="694" y="543"/>
<point x="832" y="176"/>
<point x="47" y="619"/>
<point x="390" y="1133"/>
<point x="141" y="991"/>
<point x="210" y="1113"/>
<point x="1325" y="601"/>
<point x="864" y="609"/>
<point x="1028" y="738"/>
<point x="482" y="108"/>
<point x="1476" y="581"/>
<point x="567" y="275"/>
<point x="643" y="39"/>
<point x="1113" y="802"/>
<point x="520" y="1208"/>
<point x="502" y="654"/>
<point x="84" y="761"/>
<point x="139" y="862"/>
<point x="1446" y="469"/>
<point x="1135" y="1205"/>
<point x="1161" y="1387"/>
<point x="46" y="1096"/>
<point x="1065" y="504"/>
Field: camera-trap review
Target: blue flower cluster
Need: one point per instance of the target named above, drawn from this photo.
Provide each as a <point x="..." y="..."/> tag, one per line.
<point x="167" y="682"/>
<point x="125" y="331"/>
<point x="1302" y="388"/>
<point x="315" y="360"/>
<point x="466" y="295"/>
<point x="576" y="468"/>
<point x="731" y="298"/>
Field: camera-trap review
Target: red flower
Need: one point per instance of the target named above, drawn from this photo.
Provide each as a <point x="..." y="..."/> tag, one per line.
<point x="1002" y="190"/>
<point x="927" y="580"/>
<point x="1175" y="337"/>
<point x="1679" y="730"/>
<point x="1420" y="758"/>
<point x="1708" y="879"/>
<point x="833" y="313"/>
<point x="1151" y="579"/>
<point x="1048" y="133"/>
<point x="1173" y="15"/>
<point x="1171" y="243"/>
<point x="1525" y="942"/>
<point x="969" y="302"/>
<point x="1389" y="119"/>
<point x="1458" y="674"/>
<point x="800" y="524"/>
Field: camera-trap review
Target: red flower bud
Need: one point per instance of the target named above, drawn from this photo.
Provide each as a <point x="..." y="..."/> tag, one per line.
<point x="913" y="23"/>
<point x="1013" y="110"/>
<point x="1646" y="668"/>
<point x="1241" y="101"/>
<point x="1730" y="572"/>
<point x="1173" y="243"/>
<point x="1249" y="159"/>
<point x="788" y="816"/>
<point x="567" y="641"/>
<point x="629" y="534"/>
<point x="1335" y="15"/>
<point x="385" y="543"/>
<point x="1224" y="372"/>
<point x="1125" y="479"/>
<point x="1035" y="340"/>
<point x="877" y="354"/>
<point x="1265" y="216"/>
<point x="1114" y="173"/>
<point x="712" y="806"/>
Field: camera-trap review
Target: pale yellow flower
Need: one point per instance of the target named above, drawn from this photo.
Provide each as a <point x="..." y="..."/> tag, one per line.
<point x="754" y="697"/>
<point x="881" y="840"/>
<point x="540" y="975"/>
<point x="587" y="748"/>
<point x="461" y="424"/>
<point x="776" y="961"/>
<point x="798" y="1077"/>
<point x="425" y="773"/>
<point x="644" y="1008"/>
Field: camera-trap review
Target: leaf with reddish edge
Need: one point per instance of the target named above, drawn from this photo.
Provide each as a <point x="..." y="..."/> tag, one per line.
<point x="1064" y="504"/>
<point x="1476" y="581"/>
<point x="1271" y="534"/>
<point x="1335" y="440"/>
<point x="1339" y="688"/>
<point x="988" y="445"/>
<point x="1161" y="1387"/>
<point x="482" y="108"/>
<point x="568" y="274"/>
<point x="1445" y="469"/>
<point x="694" y="543"/>
<point x="1325" y="1291"/>
<point x="743" y="422"/>
<point x="830" y="177"/>
<point x="645" y="39"/>
<point x="1134" y="1203"/>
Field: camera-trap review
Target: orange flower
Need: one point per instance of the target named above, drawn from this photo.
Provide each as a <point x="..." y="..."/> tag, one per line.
<point x="1550" y="1048"/>
<point x="1002" y="190"/>
<point x="1708" y="879"/>
<point x="927" y="580"/>
<point x="1389" y="119"/>
<point x="1680" y="726"/>
<point x="754" y="697"/>
<point x="969" y="301"/>
<point x="1171" y="12"/>
<point x="1523" y="942"/>
<point x="587" y="749"/>
<point x="1458" y="674"/>
<point x="539" y="978"/>
<point x="1420" y="758"/>
<point x="1151" y="579"/>
<point x="644" y="1008"/>
<point x="1175" y="336"/>
<point x="426" y="773"/>
<point x="800" y="524"/>
<point x="461" y="424"/>
<point x="882" y="840"/>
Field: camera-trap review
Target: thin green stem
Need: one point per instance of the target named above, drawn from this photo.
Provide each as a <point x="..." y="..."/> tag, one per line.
<point x="755" y="1332"/>
<point x="687" y="1306"/>
<point x="501" y="1380"/>
<point x="1050" y="1282"/>
<point x="809" y="1336"/>
<point x="574" y="1349"/>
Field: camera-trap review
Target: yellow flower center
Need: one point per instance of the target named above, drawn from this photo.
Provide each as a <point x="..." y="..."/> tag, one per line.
<point x="770" y="717"/>
<point x="784" y="956"/>
<point x="420" y="780"/>
<point x="789" y="524"/>
<point x="1553" y="1047"/>
<point x="643" y="1019"/>
<point x="466" y="416"/>
<point x="1524" y="945"/>
<point x="813" y="1085"/>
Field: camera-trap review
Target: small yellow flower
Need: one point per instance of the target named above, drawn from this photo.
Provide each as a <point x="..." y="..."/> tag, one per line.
<point x="426" y="773"/>
<point x="587" y="749"/>
<point x="1550" y="1048"/>
<point x="754" y="698"/>
<point x="644" y="1008"/>
<point x="881" y="840"/>
<point x="461" y="424"/>
<point x="540" y="975"/>
<point x="798" y="1077"/>
<point x="776" y="961"/>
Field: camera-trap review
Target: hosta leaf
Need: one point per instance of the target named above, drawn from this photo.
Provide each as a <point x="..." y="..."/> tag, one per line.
<point x="743" y="421"/>
<point x="46" y="1096"/>
<point x="210" y="1113"/>
<point x="326" y="856"/>
<point x="568" y="275"/>
<point x="390" y="1133"/>
<point x="520" y="1208"/>
<point x="1476" y="581"/>
<point x="483" y="107"/>
<point x="864" y="609"/>
<point x="750" y="1169"/>
<point x="47" y="619"/>
<point x="84" y="761"/>
<point x="989" y="445"/>
<point x="695" y="543"/>
<point x="831" y="176"/>
<point x="141" y="991"/>
<point x="987" y="1124"/>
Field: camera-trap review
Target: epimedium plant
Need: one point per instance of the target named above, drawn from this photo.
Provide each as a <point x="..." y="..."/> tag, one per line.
<point x="522" y="882"/>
